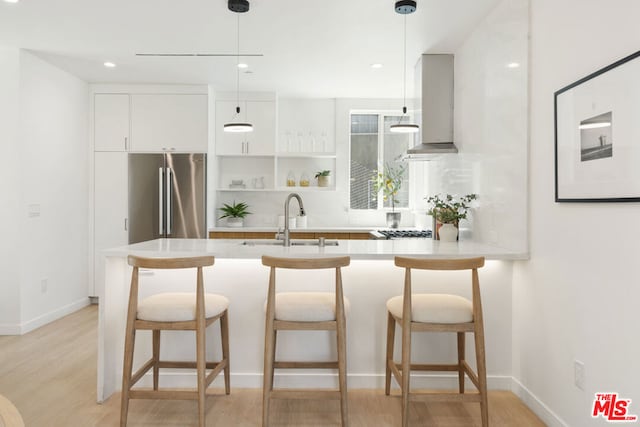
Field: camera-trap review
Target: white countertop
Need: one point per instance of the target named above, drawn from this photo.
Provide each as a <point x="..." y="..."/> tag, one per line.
<point x="357" y="249"/>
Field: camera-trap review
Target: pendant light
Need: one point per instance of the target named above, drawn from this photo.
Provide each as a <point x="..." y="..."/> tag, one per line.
<point x="404" y="7"/>
<point x="238" y="6"/>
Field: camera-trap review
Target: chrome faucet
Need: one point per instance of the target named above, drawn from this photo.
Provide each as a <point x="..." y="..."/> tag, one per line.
<point x="285" y="234"/>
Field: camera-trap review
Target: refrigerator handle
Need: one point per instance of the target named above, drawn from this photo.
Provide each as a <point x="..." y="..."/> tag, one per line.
<point x="160" y="201"/>
<point x="169" y="201"/>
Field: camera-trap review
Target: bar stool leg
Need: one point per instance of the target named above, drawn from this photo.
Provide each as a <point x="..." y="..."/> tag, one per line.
<point x="342" y="369"/>
<point x="156" y="357"/>
<point x="127" y="371"/>
<point x="273" y="356"/>
<point x="406" y="371"/>
<point x="267" y="386"/>
<point x="224" y="335"/>
<point x="482" y="373"/>
<point x="201" y="369"/>
<point x="391" y="335"/>
<point x="461" y="351"/>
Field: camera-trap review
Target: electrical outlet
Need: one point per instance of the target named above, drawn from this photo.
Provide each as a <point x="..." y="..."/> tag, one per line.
<point x="43" y="285"/>
<point x="578" y="374"/>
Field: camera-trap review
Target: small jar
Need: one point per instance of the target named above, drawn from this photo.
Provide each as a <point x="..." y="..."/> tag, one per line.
<point x="291" y="179"/>
<point x="304" y="180"/>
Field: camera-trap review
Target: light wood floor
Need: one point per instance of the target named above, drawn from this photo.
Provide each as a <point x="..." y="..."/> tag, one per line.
<point x="50" y="376"/>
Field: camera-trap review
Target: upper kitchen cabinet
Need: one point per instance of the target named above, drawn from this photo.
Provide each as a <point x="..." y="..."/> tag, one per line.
<point x="111" y="122"/>
<point x="169" y="122"/>
<point x="260" y="142"/>
<point x="306" y="126"/>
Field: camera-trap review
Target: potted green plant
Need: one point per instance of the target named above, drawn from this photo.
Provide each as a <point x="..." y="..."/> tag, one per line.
<point x="235" y="213"/>
<point x="323" y="178"/>
<point x="447" y="211"/>
<point x="389" y="181"/>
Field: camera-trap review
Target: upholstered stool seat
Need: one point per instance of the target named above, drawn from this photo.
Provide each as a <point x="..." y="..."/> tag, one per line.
<point x="307" y="306"/>
<point x="179" y="307"/>
<point x="434" y="308"/>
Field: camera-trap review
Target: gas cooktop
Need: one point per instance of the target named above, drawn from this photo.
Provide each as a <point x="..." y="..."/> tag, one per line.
<point x="403" y="234"/>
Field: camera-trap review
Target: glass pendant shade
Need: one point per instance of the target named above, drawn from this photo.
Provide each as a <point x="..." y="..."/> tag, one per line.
<point x="238" y="127"/>
<point x="404" y="128"/>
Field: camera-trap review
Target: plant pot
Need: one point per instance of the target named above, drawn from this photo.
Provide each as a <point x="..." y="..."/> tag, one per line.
<point x="448" y="233"/>
<point x="323" y="181"/>
<point x="235" y="222"/>
<point x="393" y="219"/>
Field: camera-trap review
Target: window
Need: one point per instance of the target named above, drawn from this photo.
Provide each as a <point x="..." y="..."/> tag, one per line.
<point x="373" y="146"/>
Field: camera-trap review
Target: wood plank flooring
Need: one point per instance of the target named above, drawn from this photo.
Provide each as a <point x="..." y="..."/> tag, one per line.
<point x="50" y="376"/>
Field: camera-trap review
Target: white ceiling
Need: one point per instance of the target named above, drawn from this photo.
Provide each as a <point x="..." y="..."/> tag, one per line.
<point x="312" y="48"/>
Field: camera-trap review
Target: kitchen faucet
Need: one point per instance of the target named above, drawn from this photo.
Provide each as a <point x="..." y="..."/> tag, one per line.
<point x="286" y="238"/>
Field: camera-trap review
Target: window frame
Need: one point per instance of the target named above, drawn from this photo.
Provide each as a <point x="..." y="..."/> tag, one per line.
<point x="380" y="161"/>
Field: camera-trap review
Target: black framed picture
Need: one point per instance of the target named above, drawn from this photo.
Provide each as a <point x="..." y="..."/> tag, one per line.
<point x="597" y="135"/>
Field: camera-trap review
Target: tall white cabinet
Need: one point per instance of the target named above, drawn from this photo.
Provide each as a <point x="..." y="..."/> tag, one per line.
<point x="111" y="122"/>
<point x="131" y="119"/>
<point x="169" y="122"/>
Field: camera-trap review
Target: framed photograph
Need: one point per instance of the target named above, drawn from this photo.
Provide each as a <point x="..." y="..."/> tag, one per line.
<point x="597" y="135"/>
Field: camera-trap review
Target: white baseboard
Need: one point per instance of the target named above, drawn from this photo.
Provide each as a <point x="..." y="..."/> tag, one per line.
<point x="9" y="329"/>
<point x="545" y="413"/>
<point x="49" y="317"/>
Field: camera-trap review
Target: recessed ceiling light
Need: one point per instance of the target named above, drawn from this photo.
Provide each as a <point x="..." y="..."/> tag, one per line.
<point x="513" y="65"/>
<point x="376" y="66"/>
<point x="11" y="1"/>
<point x="242" y="65"/>
<point x="109" y="65"/>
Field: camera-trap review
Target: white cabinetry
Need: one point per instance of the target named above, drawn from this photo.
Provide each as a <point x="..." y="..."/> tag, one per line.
<point x="111" y="122"/>
<point x="305" y="147"/>
<point x="110" y="208"/>
<point x="169" y="122"/>
<point x="260" y="142"/>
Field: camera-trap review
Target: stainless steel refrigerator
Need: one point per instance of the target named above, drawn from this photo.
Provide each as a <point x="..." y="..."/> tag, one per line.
<point x="167" y="196"/>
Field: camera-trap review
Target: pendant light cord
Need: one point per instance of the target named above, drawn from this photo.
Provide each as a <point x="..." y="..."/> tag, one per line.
<point x="238" y="70"/>
<point x="404" y="69"/>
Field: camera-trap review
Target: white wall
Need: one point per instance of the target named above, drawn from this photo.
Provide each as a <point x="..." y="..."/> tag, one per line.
<point x="577" y="297"/>
<point x="490" y="128"/>
<point x="47" y="192"/>
<point x="11" y="207"/>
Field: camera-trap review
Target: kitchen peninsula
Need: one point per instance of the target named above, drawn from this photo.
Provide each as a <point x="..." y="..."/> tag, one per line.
<point x="238" y="274"/>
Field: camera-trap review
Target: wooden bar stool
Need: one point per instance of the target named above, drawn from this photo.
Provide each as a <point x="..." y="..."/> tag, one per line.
<point x="437" y="313"/>
<point x="305" y="311"/>
<point x="174" y="311"/>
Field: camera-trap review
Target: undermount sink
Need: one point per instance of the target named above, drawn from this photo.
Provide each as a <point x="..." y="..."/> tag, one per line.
<point x="294" y="242"/>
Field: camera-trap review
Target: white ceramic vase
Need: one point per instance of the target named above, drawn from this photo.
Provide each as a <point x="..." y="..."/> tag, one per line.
<point x="235" y="222"/>
<point x="393" y="219"/>
<point x="323" y="181"/>
<point x="448" y="233"/>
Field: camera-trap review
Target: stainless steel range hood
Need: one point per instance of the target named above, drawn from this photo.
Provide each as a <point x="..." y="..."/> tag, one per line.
<point x="434" y="89"/>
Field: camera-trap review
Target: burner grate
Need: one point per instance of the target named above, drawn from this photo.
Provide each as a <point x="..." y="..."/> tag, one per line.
<point x="401" y="234"/>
